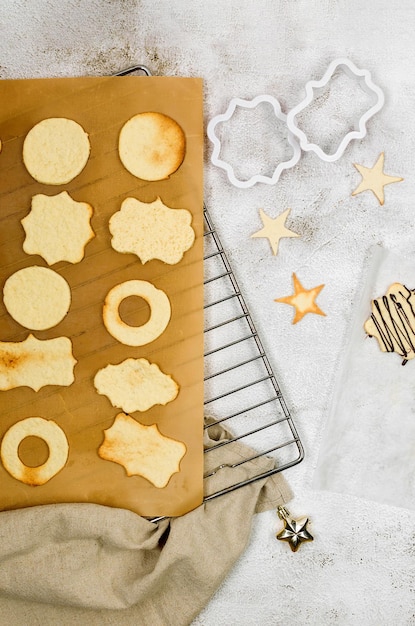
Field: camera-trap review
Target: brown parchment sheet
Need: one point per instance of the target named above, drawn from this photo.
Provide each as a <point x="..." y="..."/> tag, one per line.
<point x="101" y="106"/>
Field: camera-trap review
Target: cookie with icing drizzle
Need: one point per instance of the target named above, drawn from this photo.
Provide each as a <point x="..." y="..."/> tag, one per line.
<point x="392" y="321"/>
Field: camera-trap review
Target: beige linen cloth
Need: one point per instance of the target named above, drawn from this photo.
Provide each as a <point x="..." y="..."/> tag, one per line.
<point x="88" y="564"/>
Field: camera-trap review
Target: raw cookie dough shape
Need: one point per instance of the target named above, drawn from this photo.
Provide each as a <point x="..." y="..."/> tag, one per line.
<point x="142" y="450"/>
<point x="57" y="228"/>
<point x="151" y="146"/>
<point x="55" y="439"/>
<point x="393" y="321"/>
<point x="135" y="385"/>
<point x="36" y="363"/>
<point x="160" y="311"/>
<point x="37" y="297"/>
<point x="56" y="150"/>
<point x="152" y="231"/>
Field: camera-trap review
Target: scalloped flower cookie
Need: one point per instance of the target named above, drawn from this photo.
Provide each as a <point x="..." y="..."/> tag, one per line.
<point x="58" y="228"/>
<point x="152" y="231"/>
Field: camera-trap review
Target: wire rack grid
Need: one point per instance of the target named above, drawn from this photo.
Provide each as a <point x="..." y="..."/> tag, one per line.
<point x="253" y="409"/>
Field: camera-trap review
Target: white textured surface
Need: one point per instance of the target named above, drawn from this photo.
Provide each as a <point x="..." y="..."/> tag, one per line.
<point x="360" y="568"/>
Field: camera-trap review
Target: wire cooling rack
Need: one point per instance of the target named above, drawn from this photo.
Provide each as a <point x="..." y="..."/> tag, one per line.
<point x="253" y="409"/>
<point x="241" y="390"/>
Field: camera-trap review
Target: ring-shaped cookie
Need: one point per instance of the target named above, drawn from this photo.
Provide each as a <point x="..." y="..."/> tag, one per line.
<point x="53" y="436"/>
<point x="160" y="312"/>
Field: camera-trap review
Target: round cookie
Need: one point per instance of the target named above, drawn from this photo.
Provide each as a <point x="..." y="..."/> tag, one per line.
<point x="55" y="439"/>
<point x="151" y="146"/>
<point x="37" y="297"/>
<point x="56" y="150"/>
<point x="136" y="335"/>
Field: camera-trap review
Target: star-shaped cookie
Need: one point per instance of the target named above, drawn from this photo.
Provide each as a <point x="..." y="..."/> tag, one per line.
<point x="303" y="300"/>
<point x="374" y="179"/>
<point x="274" y="229"/>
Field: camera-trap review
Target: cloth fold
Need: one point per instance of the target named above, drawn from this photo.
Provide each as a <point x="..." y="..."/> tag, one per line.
<point x="86" y="563"/>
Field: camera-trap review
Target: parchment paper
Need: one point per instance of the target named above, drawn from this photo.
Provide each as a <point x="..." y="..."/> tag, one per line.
<point x="102" y="106"/>
<point x="368" y="447"/>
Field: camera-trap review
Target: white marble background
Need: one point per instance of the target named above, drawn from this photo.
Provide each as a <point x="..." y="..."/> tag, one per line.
<point x="360" y="569"/>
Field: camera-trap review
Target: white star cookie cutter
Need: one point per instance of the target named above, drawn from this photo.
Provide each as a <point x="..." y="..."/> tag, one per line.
<point x="257" y="178"/>
<point x="353" y="72"/>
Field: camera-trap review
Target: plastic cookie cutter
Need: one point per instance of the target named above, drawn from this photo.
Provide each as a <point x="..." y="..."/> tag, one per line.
<point x="296" y="137"/>
<point x="257" y="178"/>
<point x="353" y="72"/>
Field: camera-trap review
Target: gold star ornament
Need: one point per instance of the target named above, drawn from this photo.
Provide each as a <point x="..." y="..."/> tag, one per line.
<point x="295" y="531"/>
<point x="303" y="300"/>
<point x="374" y="179"/>
<point x="274" y="229"/>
